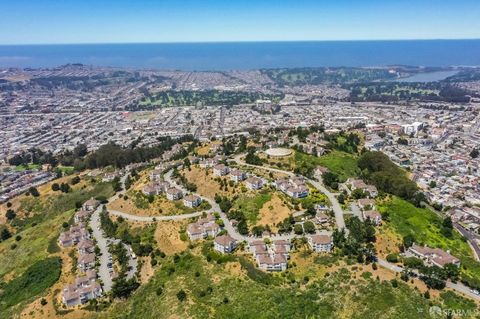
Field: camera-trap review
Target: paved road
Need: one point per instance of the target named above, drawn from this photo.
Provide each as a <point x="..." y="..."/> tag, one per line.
<point x="455" y="286"/>
<point x="459" y="287"/>
<point x="103" y="272"/>
<point x="356" y="210"/>
<point x="233" y="232"/>
<point x="337" y="209"/>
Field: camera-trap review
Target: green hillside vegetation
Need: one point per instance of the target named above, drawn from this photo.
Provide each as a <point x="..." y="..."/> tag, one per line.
<point x="43" y="208"/>
<point x="32" y="247"/>
<point x="379" y="170"/>
<point x="36" y="279"/>
<point x="425" y="227"/>
<point x="193" y="288"/>
<point x="342" y="164"/>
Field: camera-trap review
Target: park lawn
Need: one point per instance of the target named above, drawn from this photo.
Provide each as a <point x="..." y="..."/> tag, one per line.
<point x="21" y="168"/>
<point x="229" y="290"/>
<point x="425" y="227"/>
<point x="251" y="205"/>
<point x="40" y="276"/>
<point x="340" y="163"/>
<point x="32" y="247"/>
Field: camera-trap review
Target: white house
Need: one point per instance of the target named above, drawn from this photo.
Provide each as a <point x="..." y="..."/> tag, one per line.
<point x="221" y="170"/>
<point x="237" y="175"/>
<point x="192" y="201"/>
<point x="320" y="243"/>
<point x="174" y="193"/>
<point x="225" y="244"/>
<point x="254" y="183"/>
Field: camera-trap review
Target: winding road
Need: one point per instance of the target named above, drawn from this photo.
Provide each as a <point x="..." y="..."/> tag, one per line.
<point x="339" y="218"/>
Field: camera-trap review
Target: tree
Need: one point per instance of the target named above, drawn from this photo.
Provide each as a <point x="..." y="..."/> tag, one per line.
<point x="181" y="295"/>
<point x="33" y="191"/>
<point x="408" y="241"/>
<point x="432" y="184"/>
<point x="298" y="229"/>
<point x="55" y="187"/>
<point x="75" y="180"/>
<point x="5" y="234"/>
<point x="330" y="179"/>
<point x="10" y="214"/>
<point x="123" y="288"/>
<point x="474" y="153"/>
<point x="309" y="227"/>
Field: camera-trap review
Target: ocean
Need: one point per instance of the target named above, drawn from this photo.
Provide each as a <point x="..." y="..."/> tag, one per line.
<point x="247" y="55"/>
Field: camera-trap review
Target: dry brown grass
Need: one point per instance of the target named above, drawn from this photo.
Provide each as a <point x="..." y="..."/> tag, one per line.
<point x="167" y="236"/>
<point x="273" y="212"/>
<point x="387" y="242"/>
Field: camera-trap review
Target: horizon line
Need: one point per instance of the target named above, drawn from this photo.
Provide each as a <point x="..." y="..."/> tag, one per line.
<point x="241" y="41"/>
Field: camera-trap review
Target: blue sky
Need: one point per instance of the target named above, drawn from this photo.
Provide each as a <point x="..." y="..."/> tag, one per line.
<point x="88" y="21"/>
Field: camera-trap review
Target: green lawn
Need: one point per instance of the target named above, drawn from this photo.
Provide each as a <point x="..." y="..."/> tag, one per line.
<point x="251" y="205"/>
<point x="214" y="292"/>
<point x="425" y="226"/>
<point x="21" y="168"/>
<point x="340" y="163"/>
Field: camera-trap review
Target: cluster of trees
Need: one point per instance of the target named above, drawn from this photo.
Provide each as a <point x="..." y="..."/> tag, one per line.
<point x="379" y="170"/>
<point x="359" y="242"/>
<point x="63" y="187"/>
<point x="330" y="179"/>
<point x="33" y="156"/>
<point x="394" y="91"/>
<point x="343" y="142"/>
<point x="120" y="231"/>
<point x="204" y="97"/>
<point x="114" y="155"/>
<point x="252" y="158"/>
<point x="315" y="76"/>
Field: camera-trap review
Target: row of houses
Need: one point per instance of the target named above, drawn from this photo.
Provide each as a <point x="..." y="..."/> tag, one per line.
<point x="82" y="290"/>
<point x="172" y="193"/>
<point x="271" y="256"/>
<point x="294" y="187"/>
<point x="85" y="287"/>
<point x="434" y="256"/>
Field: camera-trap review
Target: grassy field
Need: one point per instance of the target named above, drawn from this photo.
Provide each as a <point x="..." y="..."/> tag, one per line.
<point x="251" y="205"/>
<point x="32" y="247"/>
<point x="37" y="278"/>
<point x="226" y="291"/>
<point x="47" y="207"/>
<point x="21" y="168"/>
<point x="340" y="163"/>
<point x="425" y="227"/>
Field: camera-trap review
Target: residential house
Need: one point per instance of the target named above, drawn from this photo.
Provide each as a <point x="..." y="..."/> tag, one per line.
<point x="320" y="243"/>
<point x="174" y="193"/>
<point x="225" y="244"/>
<point x="192" y="201"/>
<point x="237" y="175"/>
<point x="434" y="256"/>
<point x="221" y="170"/>
<point x="81" y="216"/>
<point x="366" y="203"/>
<point x="85" y="246"/>
<point x="321" y="218"/>
<point x="203" y="227"/>
<point x="84" y="289"/>
<point x="91" y="204"/>
<point x="373" y="215"/>
<point x="86" y="261"/>
<point x="254" y="183"/>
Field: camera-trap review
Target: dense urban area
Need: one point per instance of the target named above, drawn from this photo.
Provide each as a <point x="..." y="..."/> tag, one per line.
<point x="308" y="192"/>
